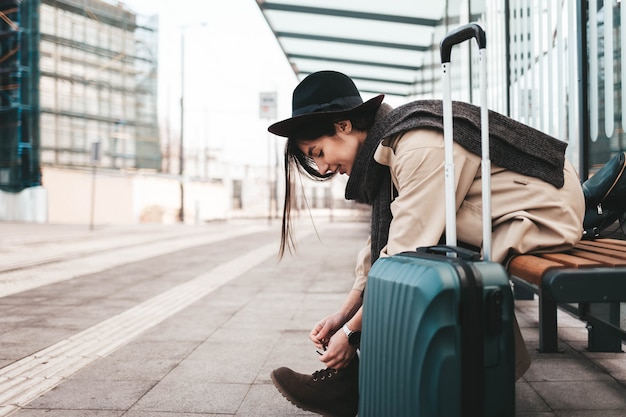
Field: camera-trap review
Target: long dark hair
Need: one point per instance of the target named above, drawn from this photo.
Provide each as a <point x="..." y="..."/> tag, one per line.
<point x="296" y="161"/>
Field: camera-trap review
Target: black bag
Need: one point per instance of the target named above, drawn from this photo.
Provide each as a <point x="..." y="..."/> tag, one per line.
<point x="605" y="197"/>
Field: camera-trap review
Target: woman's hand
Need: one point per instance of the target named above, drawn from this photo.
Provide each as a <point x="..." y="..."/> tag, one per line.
<point x="339" y="353"/>
<point x="328" y="326"/>
<point x="322" y="332"/>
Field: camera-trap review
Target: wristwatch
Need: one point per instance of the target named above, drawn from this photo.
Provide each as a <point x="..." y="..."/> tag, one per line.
<point x="354" y="338"/>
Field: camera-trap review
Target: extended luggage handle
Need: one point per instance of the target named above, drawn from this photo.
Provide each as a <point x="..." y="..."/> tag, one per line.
<point x="458" y="35"/>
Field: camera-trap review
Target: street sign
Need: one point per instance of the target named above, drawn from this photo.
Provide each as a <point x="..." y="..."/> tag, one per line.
<point x="267" y="106"/>
<point x="95" y="152"/>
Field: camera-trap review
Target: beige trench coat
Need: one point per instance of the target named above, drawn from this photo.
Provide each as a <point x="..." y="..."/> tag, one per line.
<point x="528" y="214"/>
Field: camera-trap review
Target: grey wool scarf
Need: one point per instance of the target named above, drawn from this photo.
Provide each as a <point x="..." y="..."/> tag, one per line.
<point x="513" y="145"/>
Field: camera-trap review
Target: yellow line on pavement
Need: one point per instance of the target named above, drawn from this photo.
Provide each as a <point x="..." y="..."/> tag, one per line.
<point x="26" y="379"/>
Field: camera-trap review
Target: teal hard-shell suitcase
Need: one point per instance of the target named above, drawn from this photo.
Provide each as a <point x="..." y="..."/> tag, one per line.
<point x="437" y="336"/>
<point x="437" y="339"/>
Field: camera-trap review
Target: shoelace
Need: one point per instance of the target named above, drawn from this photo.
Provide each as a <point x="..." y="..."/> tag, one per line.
<point x="322" y="374"/>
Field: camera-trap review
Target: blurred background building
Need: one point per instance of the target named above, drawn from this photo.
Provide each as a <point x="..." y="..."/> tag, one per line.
<point x="83" y="139"/>
<point x="79" y="89"/>
<point x="98" y="85"/>
<point x="19" y="96"/>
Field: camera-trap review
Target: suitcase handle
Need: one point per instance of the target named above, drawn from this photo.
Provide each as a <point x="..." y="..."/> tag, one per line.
<point x="465" y="32"/>
<point x="461" y="34"/>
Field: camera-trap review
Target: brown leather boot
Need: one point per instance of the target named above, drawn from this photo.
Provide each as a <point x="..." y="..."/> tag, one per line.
<point x="329" y="392"/>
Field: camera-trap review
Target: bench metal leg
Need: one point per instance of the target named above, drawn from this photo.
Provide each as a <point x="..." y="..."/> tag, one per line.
<point x="602" y="336"/>
<point x="548" y="332"/>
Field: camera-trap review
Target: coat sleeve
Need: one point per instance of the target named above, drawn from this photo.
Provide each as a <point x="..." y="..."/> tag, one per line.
<point x="417" y="169"/>
<point x="362" y="268"/>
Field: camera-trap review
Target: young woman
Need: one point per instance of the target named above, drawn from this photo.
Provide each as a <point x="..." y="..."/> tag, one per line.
<point x="395" y="162"/>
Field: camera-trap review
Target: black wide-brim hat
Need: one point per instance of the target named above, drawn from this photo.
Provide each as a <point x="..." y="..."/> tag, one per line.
<point x="320" y="96"/>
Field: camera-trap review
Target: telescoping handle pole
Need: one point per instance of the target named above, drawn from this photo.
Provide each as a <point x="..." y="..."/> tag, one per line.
<point x="454" y="37"/>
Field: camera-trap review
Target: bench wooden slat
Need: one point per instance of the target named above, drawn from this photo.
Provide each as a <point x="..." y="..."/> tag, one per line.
<point x="531" y="268"/>
<point x="603" y="251"/>
<point x="603" y="244"/>
<point x="621" y="243"/>
<point x="605" y="259"/>
<point x="571" y="260"/>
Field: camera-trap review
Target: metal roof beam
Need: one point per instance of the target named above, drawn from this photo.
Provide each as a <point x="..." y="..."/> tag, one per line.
<point x="355" y="62"/>
<point x="377" y="80"/>
<point x="387" y="93"/>
<point x="391" y="45"/>
<point x="420" y="21"/>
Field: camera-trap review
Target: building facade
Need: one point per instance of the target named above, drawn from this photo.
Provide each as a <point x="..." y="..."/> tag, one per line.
<point x="98" y="66"/>
<point x="19" y="98"/>
<point x="78" y="82"/>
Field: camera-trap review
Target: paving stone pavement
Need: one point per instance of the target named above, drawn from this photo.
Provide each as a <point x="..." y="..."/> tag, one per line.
<point x="175" y="321"/>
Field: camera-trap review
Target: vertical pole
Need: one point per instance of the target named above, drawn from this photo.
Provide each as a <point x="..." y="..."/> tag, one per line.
<point x="181" y="154"/>
<point x="168" y="137"/>
<point x="269" y="178"/>
<point x="93" y="197"/>
<point x="95" y="158"/>
<point x="206" y="143"/>
<point x="583" y="90"/>
<point x="470" y="67"/>
<point x="275" y="191"/>
<point x="507" y="53"/>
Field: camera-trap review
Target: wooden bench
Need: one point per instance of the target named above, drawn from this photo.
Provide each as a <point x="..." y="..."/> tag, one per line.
<point x="588" y="281"/>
